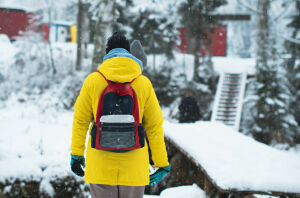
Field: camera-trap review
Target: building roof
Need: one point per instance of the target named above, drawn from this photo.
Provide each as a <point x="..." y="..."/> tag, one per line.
<point x="24" y="6"/>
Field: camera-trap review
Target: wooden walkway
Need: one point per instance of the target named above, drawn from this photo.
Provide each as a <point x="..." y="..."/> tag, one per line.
<point x="211" y="188"/>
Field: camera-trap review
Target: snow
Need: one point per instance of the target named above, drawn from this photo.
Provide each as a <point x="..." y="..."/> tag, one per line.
<point x="40" y="141"/>
<point x="27" y="5"/>
<point x="235" y="161"/>
<point x="184" y="64"/>
<point x="180" y="192"/>
<point x="35" y="138"/>
<point x="234" y="65"/>
<point x="45" y="186"/>
<point x="183" y="191"/>
<point x="7" y="48"/>
<point x="158" y="5"/>
<point x="36" y="144"/>
<point x="62" y="22"/>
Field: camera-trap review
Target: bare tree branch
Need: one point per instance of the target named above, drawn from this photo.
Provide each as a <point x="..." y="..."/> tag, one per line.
<point x="242" y="3"/>
<point x="292" y="40"/>
<point x="280" y="15"/>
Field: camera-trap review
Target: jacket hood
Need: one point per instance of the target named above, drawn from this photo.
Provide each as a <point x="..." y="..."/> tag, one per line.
<point x="120" y="66"/>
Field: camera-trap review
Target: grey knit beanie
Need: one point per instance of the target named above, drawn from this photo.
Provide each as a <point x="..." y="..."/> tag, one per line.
<point x="136" y="49"/>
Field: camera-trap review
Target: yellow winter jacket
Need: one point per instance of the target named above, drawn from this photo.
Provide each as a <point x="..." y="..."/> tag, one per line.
<point x="105" y="167"/>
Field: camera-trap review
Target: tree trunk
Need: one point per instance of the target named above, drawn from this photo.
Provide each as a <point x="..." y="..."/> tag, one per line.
<point x="79" y="35"/>
<point x="196" y="77"/>
<point x="103" y="31"/>
<point x="49" y="41"/>
<point x="263" y="33"/>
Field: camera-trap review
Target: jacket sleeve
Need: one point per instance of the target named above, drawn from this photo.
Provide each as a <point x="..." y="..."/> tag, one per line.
<point x="83" y="115"/>
<point x="152" y="122"/>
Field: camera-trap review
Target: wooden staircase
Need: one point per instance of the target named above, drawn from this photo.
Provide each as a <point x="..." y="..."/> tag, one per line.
<point x="229" y="99"/>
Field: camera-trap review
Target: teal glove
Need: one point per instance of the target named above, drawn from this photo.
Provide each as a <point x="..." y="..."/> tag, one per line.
<point x="77" y="162"/>
<point x="156" y="177"/>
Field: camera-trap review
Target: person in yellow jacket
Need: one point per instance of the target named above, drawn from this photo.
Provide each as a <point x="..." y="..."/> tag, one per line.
<point x="111" y="174"/>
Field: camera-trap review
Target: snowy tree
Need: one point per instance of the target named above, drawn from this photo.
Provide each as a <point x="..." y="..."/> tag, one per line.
<point x="271" y="121"/>
<point x="111" y="16"/>
<point x="196" y="16"/>
<point x="103" y="30"/>
<point x="161" y="39"/>
<point x="166" y="85"/>
<point x="293" y="64"/>
<point x="80" y="15"/>
<point x="123" y="16"/>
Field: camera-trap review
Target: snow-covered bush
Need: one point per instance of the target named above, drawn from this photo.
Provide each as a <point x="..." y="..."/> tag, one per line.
<point x="269" y="117"/>
<point x="170" y="86"/>
<point x="31" y="73"/>
<point x="164" y="83"/>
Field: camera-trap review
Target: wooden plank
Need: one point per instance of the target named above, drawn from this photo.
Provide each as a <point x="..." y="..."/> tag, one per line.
<point x="227" y="110"/>
<point x="231" y="191"/>
<point x="227" y="106"/>
<point x="229" y="99"/>
<point x="226" y="114"/>
<point x="229" y="88"/>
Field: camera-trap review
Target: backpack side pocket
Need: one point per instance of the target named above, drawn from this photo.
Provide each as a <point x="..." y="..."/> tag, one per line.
<point x="93" y="135"/>
<point x="141" y="132"/>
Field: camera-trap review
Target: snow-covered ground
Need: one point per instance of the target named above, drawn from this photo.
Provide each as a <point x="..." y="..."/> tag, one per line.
<point x="35" y="145"/>
<point x="184" y="63"/>
<point x="40" y="140"/>
<point x="38" y="137"/>
<point x="8" y="49"/>
<point x="180" y="192"/>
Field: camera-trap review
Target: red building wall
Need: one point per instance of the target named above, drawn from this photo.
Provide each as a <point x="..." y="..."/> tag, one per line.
<point x="218" y="44"/>
<point x="46" y="30"/>
<point x="15" y="21"/>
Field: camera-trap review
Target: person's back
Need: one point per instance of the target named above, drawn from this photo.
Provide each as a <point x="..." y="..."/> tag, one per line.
<point x="105" y="169"/>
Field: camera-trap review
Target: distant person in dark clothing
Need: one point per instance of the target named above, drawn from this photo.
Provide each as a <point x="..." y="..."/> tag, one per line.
<point x="189" y="110"/>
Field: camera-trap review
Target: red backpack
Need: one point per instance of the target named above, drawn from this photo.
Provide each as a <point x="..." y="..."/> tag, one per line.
<point x="117" y="126"/>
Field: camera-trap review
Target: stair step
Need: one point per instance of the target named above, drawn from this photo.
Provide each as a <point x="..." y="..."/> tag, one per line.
<point x="228" y="102"/>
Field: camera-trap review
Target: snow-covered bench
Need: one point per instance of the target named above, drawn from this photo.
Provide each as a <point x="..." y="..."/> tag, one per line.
<point x="233" y="163"/>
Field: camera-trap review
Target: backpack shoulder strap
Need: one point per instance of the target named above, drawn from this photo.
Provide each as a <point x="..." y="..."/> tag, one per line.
<point x="108" y="81"/>
<point x="133" y="80"/>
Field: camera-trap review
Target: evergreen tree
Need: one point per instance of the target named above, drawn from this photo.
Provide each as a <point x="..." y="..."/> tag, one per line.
<point x="165" y="85"/>
<point x="271" y="121"/>
<point x="293" y="65"/>
<point x="111" y="16"/>
<point x="123" y="15"/>
<point x="196" y="16"/>
<point x="155" y="31"/>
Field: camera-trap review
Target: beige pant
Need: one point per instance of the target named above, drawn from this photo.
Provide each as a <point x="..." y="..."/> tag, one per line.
<point x="108" y="191"/>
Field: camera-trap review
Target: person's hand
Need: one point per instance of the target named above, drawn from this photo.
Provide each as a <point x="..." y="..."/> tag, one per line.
<point x="156" y="177"/>
<point x="77" y="162"/>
